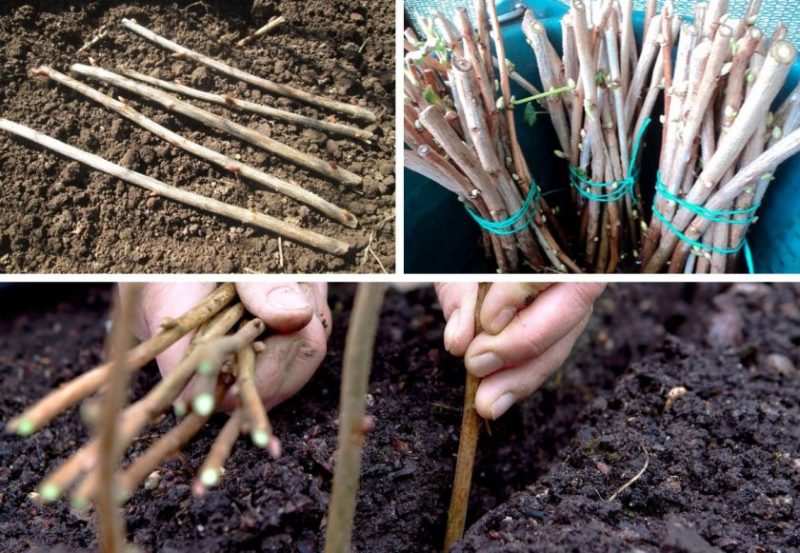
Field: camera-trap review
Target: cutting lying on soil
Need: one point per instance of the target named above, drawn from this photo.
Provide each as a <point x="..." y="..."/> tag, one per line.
<point x="289" y="134"/>
<point x="222" y="124"/>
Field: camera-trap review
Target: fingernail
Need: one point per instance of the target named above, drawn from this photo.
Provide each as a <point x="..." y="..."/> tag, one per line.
<point x="287" y="299"/>
<point x="502" y="319"/>
<point x="502" y="404"/>
<point x="450" y="329"/>
<point x="483" y="364"/>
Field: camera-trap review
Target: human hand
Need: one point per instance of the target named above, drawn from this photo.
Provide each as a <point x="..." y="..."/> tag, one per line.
<point x="528" y="331"/>
<point x="297" y="316"/>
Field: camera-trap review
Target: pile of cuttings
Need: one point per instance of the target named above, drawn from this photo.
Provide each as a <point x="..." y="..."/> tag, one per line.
<point x="164" y="94"/>
<point x="720" y="142"/>
<point x="219" y="363"/>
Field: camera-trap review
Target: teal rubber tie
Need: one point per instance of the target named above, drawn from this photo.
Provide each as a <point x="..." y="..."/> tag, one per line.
<point x="725" y="216"/>
<point x="620" y="188"/>
<point x="507" y="226"/>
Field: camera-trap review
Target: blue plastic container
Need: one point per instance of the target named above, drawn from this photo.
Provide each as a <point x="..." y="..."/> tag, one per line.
<point x="441" y="238"/>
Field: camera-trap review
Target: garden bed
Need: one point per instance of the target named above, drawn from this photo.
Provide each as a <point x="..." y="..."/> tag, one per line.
<point x="737" y="462"/>
<point x="59" y="216"/>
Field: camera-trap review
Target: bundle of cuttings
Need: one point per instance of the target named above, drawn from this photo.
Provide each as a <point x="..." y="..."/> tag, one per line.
<point x="218" y="366"/>
<point x="463" y="136"/>
<point x="720" y="143"/>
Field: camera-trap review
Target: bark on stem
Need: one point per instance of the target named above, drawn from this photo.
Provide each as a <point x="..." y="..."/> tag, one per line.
<point x="227" y="163"/>
<point x="356" y="366"/>
<point x="537" y="38"/>
<point x="273" y="24"/>
<point x="650" y="49"/>
<point x="269" y="86"/>
<point x="707" y="87"/>
<point x="467" y="445"/>
<point x="214" y="466"/>
<point x="255" y="416"/>
<point x="83" y="386"/>
<point x="476" y="126"/>
<point x="165" y="446"/>
<point x="628" y="44"/>
<point x="173" y="103"/>
<point x="588" y="69"/>
<point x="219" y="325"/>
<point x="111" y="525"/>
<point x="261" y="220"/>
<point x="245" y="105"/>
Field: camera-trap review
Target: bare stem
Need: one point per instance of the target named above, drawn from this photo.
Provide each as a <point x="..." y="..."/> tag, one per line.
<point x="261" y="220"/>
<point x="246" y="134"/>
<point x="273" y="24"/>
<point x="255" y="416"/>
<point x="214" y="465"/>
<point x="356" y="367"/>
<point x="467" y="446"/>
<point x="111" y="526"/>
<point x="205" y="360"/>
<point x="166" y="445"/>
<point x="83" y="386"/>
<point x="227" y="163"/>
<point x="269" y="86"/>
<point x="245" y="105"/>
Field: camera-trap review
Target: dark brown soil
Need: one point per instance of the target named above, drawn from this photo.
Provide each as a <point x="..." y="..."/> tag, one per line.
<point x="59" y="216"/>
<point x="735" y="460"/>
<point x="724" y="457"/>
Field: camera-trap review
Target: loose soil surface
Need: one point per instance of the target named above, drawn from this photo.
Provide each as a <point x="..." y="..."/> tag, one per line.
<point x="60" y="216"/>
<point x="723" y="469"/>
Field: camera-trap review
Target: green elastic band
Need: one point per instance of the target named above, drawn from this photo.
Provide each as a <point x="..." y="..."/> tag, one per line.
<point x="619" y="188"/>
<point x="506" y="227"/>
<point x="714" y="215"/>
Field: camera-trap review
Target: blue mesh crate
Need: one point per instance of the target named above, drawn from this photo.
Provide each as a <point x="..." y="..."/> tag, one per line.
<point x="441" y="238"/>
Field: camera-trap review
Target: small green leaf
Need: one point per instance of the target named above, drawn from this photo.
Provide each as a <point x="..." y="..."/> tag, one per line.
<point x="430" y="96"/>
<point x="600" y="78"/>
<point x="529" y="115"/>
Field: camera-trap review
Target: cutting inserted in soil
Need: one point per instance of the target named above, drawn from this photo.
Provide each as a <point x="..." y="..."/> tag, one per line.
<point x="354" y="425"/>
<point x="467" y="445"/>
<point x="720" y="425"/>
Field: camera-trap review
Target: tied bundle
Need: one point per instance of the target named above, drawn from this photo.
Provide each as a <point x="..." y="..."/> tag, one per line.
<point x="720" y="142"/>
<point x="464" y="137"/>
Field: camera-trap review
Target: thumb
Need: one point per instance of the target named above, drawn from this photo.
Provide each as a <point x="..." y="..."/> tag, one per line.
<point x="283" y="306"/>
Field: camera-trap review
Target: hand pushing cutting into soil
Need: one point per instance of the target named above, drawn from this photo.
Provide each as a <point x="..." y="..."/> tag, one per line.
<point x="245" y="348"/>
